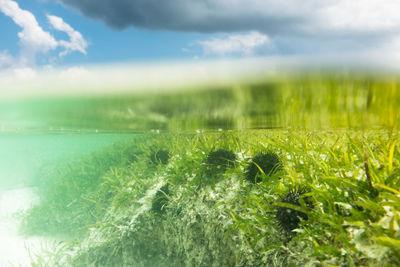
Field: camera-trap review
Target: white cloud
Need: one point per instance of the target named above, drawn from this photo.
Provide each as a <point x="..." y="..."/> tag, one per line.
<point x="243" y="44"/>
<point x="24" y="73"/>
<point x="76" y="43"/>
<point x="130" y="78"/>
<point x="74" y="73"/>
<point x="33" y="39"/>
<point x="296" y="27"/>
<point x="6" y="60"/>
<point x="32" y="36"/>
<point x="359" y="15"/>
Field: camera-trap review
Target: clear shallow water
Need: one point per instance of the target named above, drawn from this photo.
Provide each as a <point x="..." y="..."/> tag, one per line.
<point x="38" y="133"/>
<point x="22" y="155"/>
<point x="14" y="248"/>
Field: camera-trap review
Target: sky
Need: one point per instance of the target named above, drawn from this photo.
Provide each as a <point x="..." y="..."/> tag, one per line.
<point x="43" y="35"/>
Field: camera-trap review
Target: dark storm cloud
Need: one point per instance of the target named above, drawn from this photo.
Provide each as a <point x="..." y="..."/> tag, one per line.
<point x="191" y="15"/>
<point x="294" y="25"/>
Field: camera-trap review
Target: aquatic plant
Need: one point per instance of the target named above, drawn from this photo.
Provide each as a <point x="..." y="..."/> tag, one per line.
<point x="159" y="156"/>
<point x="73" y="192"/>
<point x="160" y="199"/>
<point x="264" y="163"/>
<point x="287" y="215"/>
<point x="221" y="159"/>
<point x="239" y="223"/>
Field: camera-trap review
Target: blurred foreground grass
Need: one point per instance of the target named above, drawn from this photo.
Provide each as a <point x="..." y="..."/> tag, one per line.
<point x="313" y="101"/>
<point x="216" y="217"/>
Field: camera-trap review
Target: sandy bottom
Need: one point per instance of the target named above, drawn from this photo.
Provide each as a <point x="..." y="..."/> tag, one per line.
<point x="15" y="249"/>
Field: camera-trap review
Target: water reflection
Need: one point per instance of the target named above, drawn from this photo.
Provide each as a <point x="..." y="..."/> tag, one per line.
<point x="302" y="101"/>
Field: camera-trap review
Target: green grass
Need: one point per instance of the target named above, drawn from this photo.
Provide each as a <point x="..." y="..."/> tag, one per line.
<point x="68" y="204"/>
<point x="221" y="219"/>
<point x="311" y="101"/>
<point x="336" y="135"/>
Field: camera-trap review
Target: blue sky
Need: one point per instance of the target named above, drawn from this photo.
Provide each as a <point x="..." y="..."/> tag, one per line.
<point x="105" y="44"/>
<point x="113" y="31"/>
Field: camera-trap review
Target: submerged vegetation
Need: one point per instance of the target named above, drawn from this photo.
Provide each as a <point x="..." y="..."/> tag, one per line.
<point x="319" y="187"/>
<point x="289" y="216"/>
<point x="263" y="164"/>
<point x="136" y="213"/>
<point x="160" y="199"/>
<point x="221" y="159"/>
<point x="70" y="191"/>
<point x="159" y="156"/>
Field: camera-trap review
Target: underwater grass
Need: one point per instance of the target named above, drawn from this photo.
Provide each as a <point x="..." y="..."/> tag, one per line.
<point x="71" y="191"/>
<point x="221" y="219"/>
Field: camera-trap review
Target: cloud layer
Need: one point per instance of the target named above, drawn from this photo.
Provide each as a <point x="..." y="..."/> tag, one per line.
<point x="6" y="60"/>
<point x="32" y="34"/>
<point x="293" y="25"/>
<point x="33" y="39"/>
<point x="193" y="15"/>
<point x="242" y="44"/>
<point x="76" y="43"/>
<point x="269" y="16"/>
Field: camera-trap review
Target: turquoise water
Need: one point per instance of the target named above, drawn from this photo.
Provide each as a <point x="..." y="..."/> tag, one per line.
<point x="22" y="156"/>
